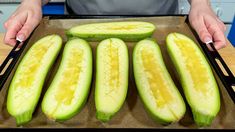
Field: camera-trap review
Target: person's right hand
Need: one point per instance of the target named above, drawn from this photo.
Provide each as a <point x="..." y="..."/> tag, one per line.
<point x="23" y="21"/>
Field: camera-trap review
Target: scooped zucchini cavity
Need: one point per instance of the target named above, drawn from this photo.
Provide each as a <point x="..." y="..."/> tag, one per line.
<point x="127" y="31"/>
<point x="158" y="92"/>
<point x="27" y="83"/>
<point x="111" y="78"/>
<point x="200" y="87"/>
<point x="70" y="87"/>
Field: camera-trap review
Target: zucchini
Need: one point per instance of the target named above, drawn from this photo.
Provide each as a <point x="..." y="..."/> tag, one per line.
<point x="127" y="31"/>
<point x="70" y="87"/>
<point x="28" y="80"/>
<point x="198" y="82"/>
<point x="157" y="90"/>
<point x="111" y="78"/>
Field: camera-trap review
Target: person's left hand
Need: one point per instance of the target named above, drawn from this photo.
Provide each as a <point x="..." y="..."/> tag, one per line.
<point x="207" y="24"/>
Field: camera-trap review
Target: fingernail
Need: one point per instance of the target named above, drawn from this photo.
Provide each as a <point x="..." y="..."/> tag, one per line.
<point x="20" y="37"/>
<point x="208" y="40"/>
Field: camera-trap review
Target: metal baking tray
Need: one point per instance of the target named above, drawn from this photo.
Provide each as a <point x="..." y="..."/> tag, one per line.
<point x="132" y="114"/>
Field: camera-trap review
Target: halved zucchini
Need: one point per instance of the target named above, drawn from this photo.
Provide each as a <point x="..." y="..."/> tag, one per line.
<point x="196" y="77"/>
<point x="127" y="31"/>
<point x="70" y="87"/>
<point x="158" y="92"/>
<point x="27" y="83"/>
<point x="111" y="77"/>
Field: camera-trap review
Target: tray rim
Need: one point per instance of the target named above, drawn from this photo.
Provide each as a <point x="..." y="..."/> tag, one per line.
<point x="227" y="81"/>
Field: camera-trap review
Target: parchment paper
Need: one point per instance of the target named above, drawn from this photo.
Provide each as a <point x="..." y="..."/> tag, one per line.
<point x="132" y="114"/>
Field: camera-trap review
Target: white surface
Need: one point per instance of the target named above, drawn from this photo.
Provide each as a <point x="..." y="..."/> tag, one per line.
<point x="5" y="12"/>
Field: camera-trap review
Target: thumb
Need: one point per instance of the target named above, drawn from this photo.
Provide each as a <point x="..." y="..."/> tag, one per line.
<point x="26" y="30"/>
<point x="202" y="31"/>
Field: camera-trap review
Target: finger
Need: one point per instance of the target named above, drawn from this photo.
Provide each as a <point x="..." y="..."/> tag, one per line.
<point x="218" y="36"/>
<point x="14" y="26"/>
<point x="10" y="36"/>
<point x="27" y="28"/>
<point x="220" y="41"/>
<point x="7" y="23"/>
<point x="9" y="20"/>
<point x="221" y="25"/>
<point x="202" y="31"/>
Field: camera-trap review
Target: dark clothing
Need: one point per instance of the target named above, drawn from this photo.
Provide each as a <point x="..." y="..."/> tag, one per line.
<point x="122" y="7"/>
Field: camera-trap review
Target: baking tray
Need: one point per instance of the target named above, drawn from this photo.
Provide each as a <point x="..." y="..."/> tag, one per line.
<point x="132" y="114"/>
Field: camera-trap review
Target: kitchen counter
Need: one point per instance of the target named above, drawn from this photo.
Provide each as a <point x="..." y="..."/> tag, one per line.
<point x="228" y="53"/>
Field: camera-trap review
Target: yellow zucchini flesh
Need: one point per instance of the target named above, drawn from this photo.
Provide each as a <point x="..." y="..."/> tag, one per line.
<point x="125" y="30"/>
<point x="157" y="90"/>
<point x="111" y="78"/>
<point x="70" y="87"/>
<point x="28" y="80"/>
<point x="198" y="82"/>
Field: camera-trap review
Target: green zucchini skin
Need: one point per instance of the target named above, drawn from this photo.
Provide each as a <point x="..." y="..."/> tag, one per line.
<point x="23" y="97"/>
<point x="61" y="103"/>
<point x="204" y="108"/>
<point x="96" y="32"/>
<point x="145" y="51"/>
<point x="111" y="86"/>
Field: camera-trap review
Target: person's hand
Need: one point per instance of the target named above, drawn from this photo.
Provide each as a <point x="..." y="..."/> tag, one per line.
<point x="23" y="21"/>
<point x="206" y="23"/>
